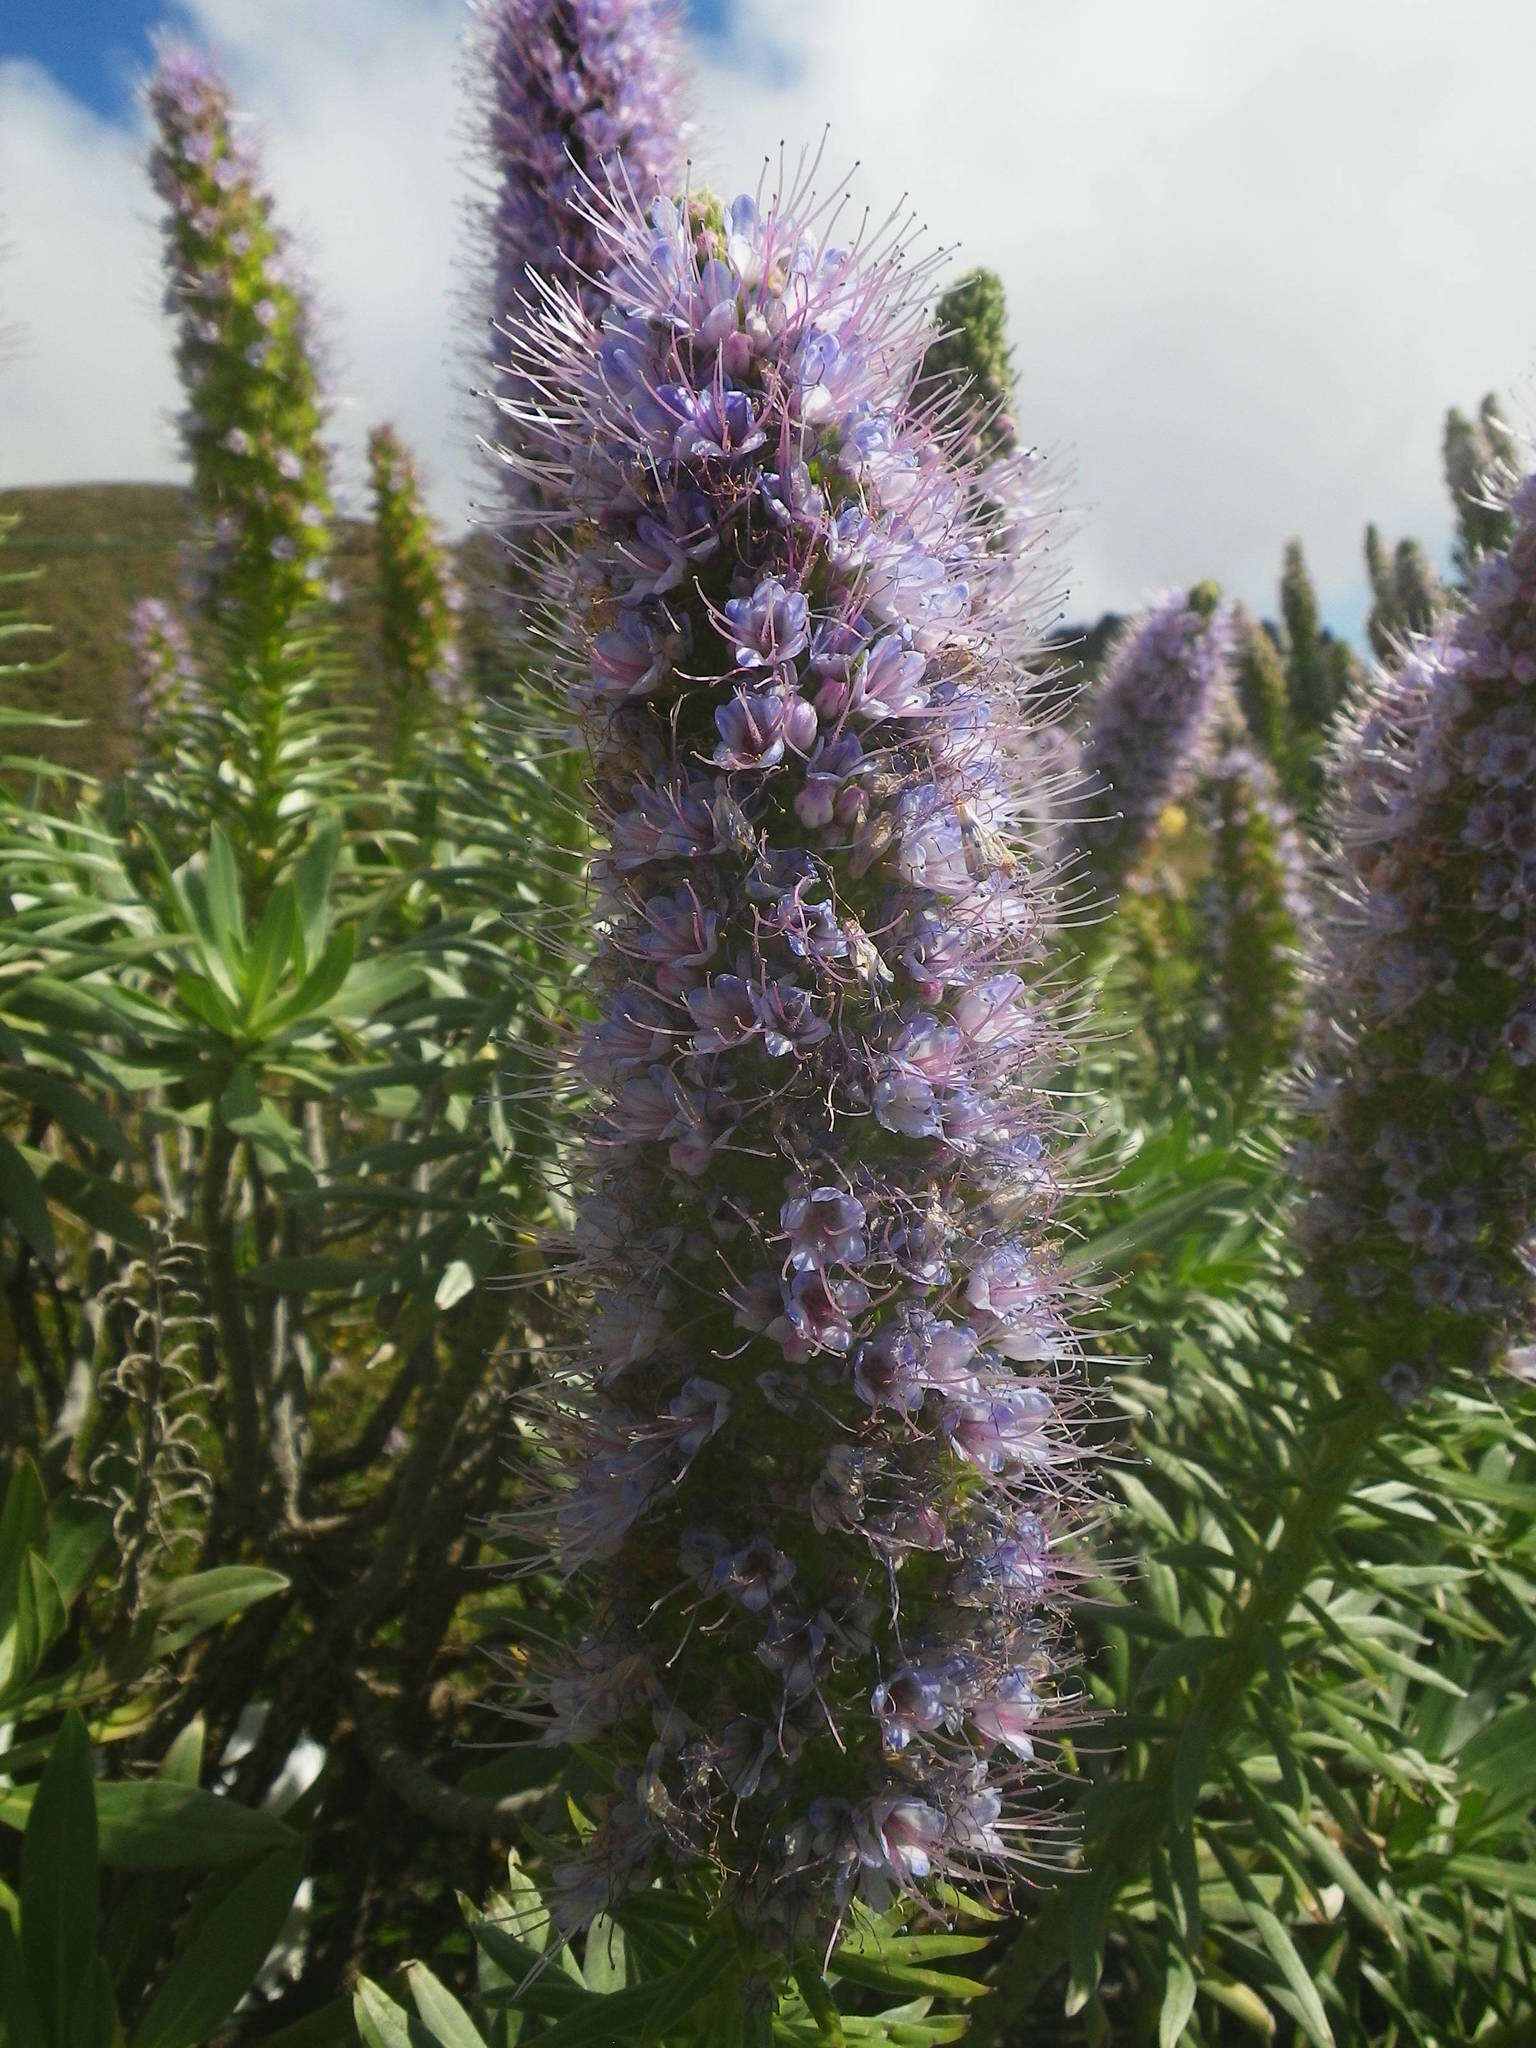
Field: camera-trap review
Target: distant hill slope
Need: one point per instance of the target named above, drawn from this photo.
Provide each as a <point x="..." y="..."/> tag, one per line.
<point x="98" y="547"/>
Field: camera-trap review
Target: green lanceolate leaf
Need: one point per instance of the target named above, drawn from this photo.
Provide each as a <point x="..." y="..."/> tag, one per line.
<point x="21" y="1199"/>
<point x="446" y="2021"/>
<point x="59" y="1879"/>
<point x="155" y="1825"/>
<point x="219" y="1960"/>
<point x="380" y="2022"/>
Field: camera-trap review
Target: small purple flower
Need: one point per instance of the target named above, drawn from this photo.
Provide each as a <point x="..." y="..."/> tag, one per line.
<point x="826" y="1228"/>
<point x="758" y="726"/>
<point x="910" y="1702"/>
<point x="771" y="626"/>
<point x="725" y="1012"/>
<point x="997" y="1431"/>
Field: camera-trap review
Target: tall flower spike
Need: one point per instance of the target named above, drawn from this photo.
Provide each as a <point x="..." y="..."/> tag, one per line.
<point x="971" y="364"/>
<point x="1153" y="718"/>
<point x="1256" y="915"/>
<point x="1421" y="1114"/>
<point x="1259" y="678"/>
<point x="576" y="94"/>
<point x="821" y="1454"/>
<point x="1478" y="456"/>
<point x="165" y="677"/>
<point x="419" y="597"/>
<point x="253" y="424"/>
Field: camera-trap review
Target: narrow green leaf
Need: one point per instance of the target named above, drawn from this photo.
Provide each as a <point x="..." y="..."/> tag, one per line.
<point x="21" y="1199"/>
<point x="23" y="1522"/>
<point x="23" y="2023"/>
<point x="224" y="905"/>
<point x="189" y="1607"/>
<point x="78" y="1532"/>
<point x="449" y="2025"/>
<point x="183" y="1761"/>
<point x="312" y="882"/>
<point x="1309" y="2007"/>
<point x="819" y="2002"/>
<point x="152" y="1825"/>
<point x="226" y="1949"/>
<point x="40" y="1590"/>
<point x="381" y="2022"/>
<point x="94" y="2022"/>
<point x="76" y="1112"/>
<point x="1189" y="1765"/>
<point x="603" y="1962"/>
<point x="1178" y="2000"/>
<point x="59" y="1880"/>
<point x="270" y="949"/>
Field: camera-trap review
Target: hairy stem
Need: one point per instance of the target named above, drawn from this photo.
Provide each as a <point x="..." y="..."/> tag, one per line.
<point x="229" y="1314"/>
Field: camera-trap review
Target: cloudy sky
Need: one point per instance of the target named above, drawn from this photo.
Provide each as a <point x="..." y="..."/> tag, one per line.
<point x="1253" y="248"/>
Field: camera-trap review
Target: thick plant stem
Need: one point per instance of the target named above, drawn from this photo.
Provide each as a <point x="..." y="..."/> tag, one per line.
<point x="229" y="1316"/>
<point x="1135" y="1817"/>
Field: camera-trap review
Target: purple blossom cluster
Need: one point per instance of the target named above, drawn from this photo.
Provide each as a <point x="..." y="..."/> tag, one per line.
<point x="253" y="423"/>
<point x="165" y="677"/>
<point x="577" y="95"/>
<point x="1154" y="719"/>
<point x="1421" y="1104"/>
<point x="820" y="1453"/>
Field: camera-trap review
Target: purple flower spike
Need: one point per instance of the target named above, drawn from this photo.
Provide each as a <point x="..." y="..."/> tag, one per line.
<point x="1418" y="1089"/>
<point x="253" y="425"/>
<point x="166" y="680"/>
<point x="1154" y="718"/>
<point x="823" y="1150"/>
<point x="576" y="95"/>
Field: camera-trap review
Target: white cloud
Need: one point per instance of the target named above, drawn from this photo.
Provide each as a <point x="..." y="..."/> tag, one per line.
<point x="89" y="389"/>
<point x="1251" y="251"/>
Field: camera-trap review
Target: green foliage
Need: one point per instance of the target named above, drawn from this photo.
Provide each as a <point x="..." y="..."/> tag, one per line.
<point x="1254" y="915"/>
<point x="273" y="1147"/>
<point x="1406" y="593"/>
<point x="278" y="1057"/>
<point x="972" y="320"/>
<point x="657" y="1971"/>
<point x="1318" y="1640"/>
<point x="1260" y="680"/>
<point x="418" y="599"/>
<point x="1479" y="457"/>
<point x="1307" y="680"/>
<point x="70" y="1836"/>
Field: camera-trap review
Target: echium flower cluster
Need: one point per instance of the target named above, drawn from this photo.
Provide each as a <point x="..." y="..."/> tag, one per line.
<point x="419" y="597"/>
<point x="165" y="676"/>
<point x="1154" y="717"/>
<point x="571" y="91"/>
<point x="1257" y="914"/>
<point x="253" y="423"/>
<point x="821" y="1453"/>
<point x="1421" y="1111"/>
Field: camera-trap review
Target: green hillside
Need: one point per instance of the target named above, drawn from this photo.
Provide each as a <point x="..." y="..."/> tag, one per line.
<point x="98" y="547"/>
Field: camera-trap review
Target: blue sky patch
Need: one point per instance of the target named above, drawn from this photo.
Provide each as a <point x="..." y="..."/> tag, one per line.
<point x="99" y="49"/>
<point x="96" y="49"/>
